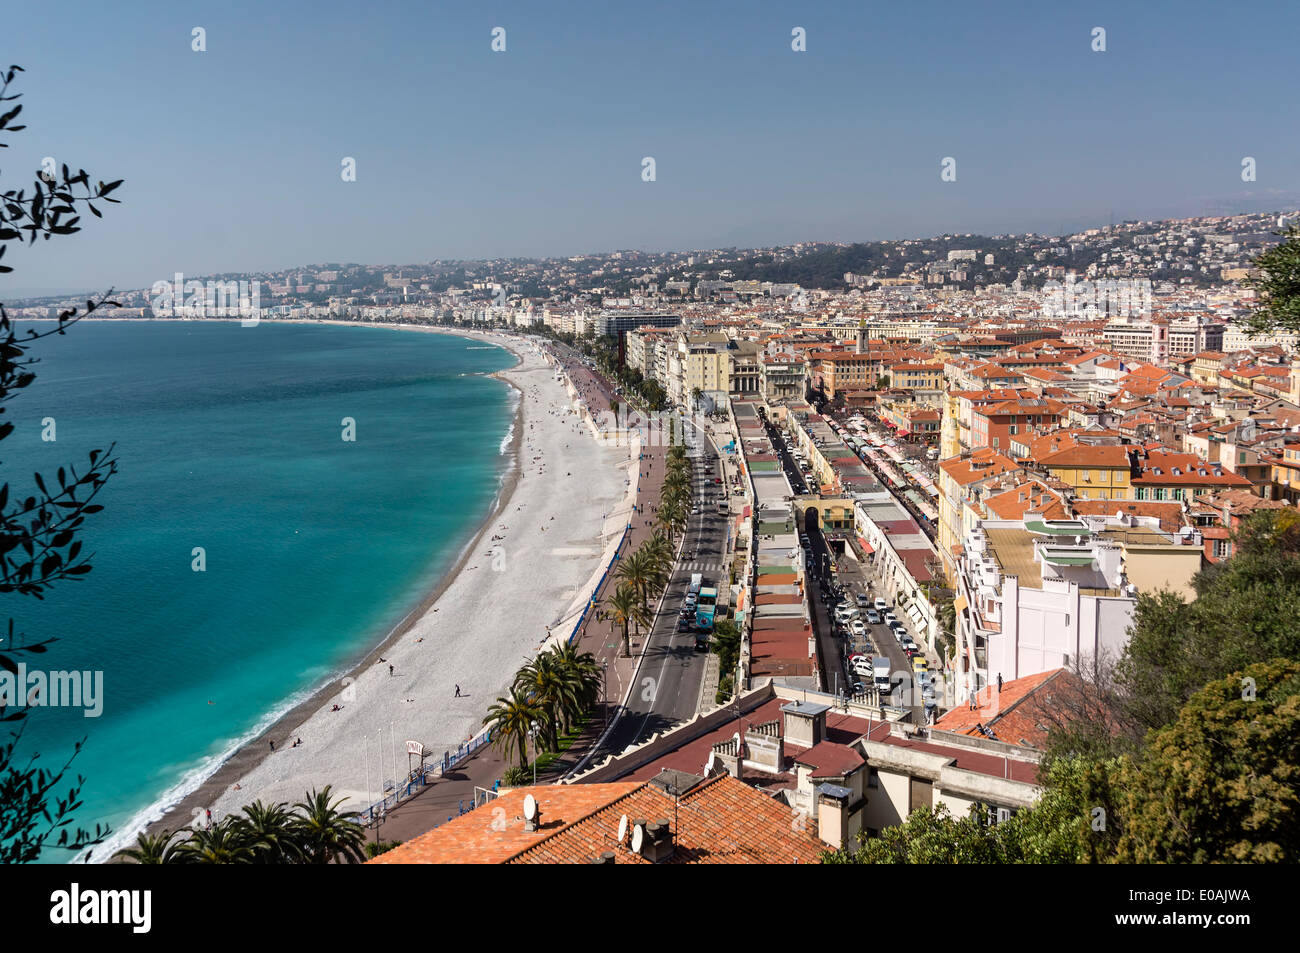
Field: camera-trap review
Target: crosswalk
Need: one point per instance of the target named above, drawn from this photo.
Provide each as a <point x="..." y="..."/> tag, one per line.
<point x="701" y="566"/>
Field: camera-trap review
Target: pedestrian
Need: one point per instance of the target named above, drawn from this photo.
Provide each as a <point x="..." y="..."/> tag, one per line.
<point x="390" y="668"/>
<point x="272" y="745"/>
<point x="999" y="683"/>
<point x="458" y="691"/>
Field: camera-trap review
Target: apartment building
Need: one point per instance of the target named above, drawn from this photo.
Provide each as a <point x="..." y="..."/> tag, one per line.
<point x="782" y="376"/>
<point x="1036" y="594"/>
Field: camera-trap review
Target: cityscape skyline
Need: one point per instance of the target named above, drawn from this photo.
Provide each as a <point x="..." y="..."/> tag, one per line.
<point x="466" y="153"/>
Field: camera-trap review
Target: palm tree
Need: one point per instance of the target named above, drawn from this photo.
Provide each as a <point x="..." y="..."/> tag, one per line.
<point x="270" y="831"/>
<point x="636" y="570"/>
<point x="511" y="718"/>
<point x="582" y="670"/>
<point x="660" y="550"/>
<point x="545" y="684"/>
<point x="223" y="843"/>
<point x="326" y="834"/>
<point x="155" y="848"/>
<point x="626" y="609"/>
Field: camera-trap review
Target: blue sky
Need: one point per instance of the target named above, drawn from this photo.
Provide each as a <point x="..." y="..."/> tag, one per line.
<point x="232" y="156"/>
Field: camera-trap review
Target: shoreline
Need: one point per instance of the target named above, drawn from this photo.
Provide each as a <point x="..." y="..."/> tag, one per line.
<point x="254" y="751"/>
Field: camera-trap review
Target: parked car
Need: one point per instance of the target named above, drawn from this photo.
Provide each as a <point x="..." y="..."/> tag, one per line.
<point x="863" y="600"/>
<point x="881" y="604"/>
<point x="857" y="628"/>
<point x="873" y="617"/>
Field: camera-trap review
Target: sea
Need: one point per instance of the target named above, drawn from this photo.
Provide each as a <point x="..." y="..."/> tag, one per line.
<point x="285" y="495"/>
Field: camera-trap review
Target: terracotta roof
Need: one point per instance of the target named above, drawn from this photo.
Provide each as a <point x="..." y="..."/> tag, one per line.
<point x="1005" y="712"/>
<point x="720" y="821"/>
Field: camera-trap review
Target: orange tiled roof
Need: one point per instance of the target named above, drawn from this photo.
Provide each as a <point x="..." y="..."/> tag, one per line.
<point x="720" y="821"/>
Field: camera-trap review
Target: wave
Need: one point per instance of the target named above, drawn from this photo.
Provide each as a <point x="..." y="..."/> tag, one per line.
<point x="193" y="779"/>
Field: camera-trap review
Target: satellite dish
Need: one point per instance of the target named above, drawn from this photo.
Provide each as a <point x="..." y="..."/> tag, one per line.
<point x="530" y="807"/>
<point x="638" y="833"/>
<point x="622" y="829"/>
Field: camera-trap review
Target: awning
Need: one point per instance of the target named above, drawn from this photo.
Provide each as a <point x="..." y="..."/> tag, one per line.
<point x="960" y="604"/>
<point x="866" y="547"/>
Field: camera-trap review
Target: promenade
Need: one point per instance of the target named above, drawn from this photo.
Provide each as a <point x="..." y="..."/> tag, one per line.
<point x="454" y="793"/>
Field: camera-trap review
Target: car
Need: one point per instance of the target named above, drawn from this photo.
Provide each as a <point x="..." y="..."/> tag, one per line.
<point x="684" y="624"/>
<point x="881" y="604"/>
<point x="858" y="688"/>
<point x="863" y="600"/>
<point x="890" y="618"/>
<point x="911" y="651"/>
<point x="873" y="617"/>
<point x="857" y="628"/>
<point x="919" y="664"/>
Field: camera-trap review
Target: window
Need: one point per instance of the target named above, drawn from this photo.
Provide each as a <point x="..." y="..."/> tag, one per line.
<point x="1160" y="493"/>
<point x="1222" y="548"/>
<point x="1141" y="493"/>
<point x="1014" y="430"/>
<point x="995" y="443"/>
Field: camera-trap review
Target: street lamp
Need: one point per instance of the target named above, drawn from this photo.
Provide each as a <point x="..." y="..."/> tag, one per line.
<point x="532" y="733"/>
<point x="604" y="696"/>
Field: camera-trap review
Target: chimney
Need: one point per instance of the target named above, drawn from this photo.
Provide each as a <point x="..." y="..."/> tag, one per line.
<point x="657" y="843"/>
<point x="833" y="814"/>
<point x="606" y="858"/>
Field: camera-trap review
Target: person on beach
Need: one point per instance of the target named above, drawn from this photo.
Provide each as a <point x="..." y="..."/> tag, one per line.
<point x="458" y="691"/>
<point x="390" y="668"/>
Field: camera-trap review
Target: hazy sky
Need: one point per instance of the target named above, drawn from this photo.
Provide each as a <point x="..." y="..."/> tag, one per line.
<point x="232" y="157"/>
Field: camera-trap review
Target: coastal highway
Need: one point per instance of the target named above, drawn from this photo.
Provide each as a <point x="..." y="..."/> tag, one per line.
<point x="667" y="685"/>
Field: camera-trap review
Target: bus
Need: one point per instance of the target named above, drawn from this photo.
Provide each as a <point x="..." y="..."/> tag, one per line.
<point x="704" y="609"/>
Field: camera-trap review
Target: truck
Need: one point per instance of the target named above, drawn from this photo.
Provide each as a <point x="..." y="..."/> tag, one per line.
<point x="697" y="580"/>
<point x="880" y="673"/>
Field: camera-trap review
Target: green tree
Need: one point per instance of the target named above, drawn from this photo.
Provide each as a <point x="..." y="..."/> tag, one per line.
<point x="325" y="834"/>
<point x="270" y="831"/>
<point x="1222" y="783"/>
<point x="1244" y="612"/>
<point x="932" y="836"/>
<point x="725" y="643"/>
<point x="627" y="609"/>
<point x="223" y="843"/>
<point x="511" y="718"/>
<point x="548" y="688"/>
<point x="154" y="848"/>
<point x="1278" y="286"/>
<point x="39" y="536"/>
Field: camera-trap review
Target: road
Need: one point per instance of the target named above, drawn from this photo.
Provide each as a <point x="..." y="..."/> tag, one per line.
<point x="668" y="682"/>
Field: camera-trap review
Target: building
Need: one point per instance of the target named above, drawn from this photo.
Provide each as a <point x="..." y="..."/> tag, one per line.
<point x="620" y="322"/>
<point x="673" y="819"/>
<point x="1038" y="594"/>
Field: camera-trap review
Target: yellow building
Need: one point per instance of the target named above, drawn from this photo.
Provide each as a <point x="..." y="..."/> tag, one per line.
<point x="1094" y="473"/>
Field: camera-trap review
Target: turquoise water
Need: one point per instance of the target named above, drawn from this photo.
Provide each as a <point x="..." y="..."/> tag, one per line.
<point x="230" y="439"/>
